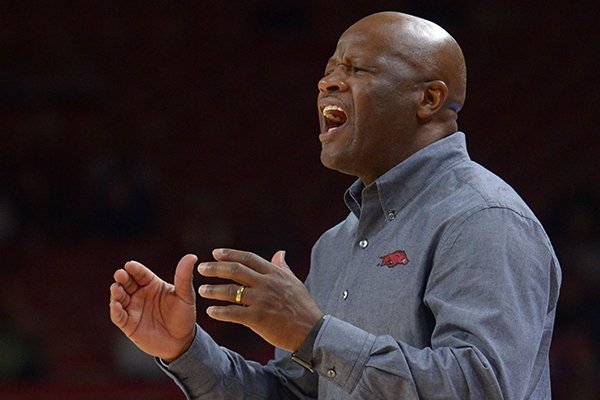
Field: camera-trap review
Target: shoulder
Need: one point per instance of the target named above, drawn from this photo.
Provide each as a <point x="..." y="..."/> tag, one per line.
<point x="488" y="212"/>
<point x="470" y="199"/>
<point x="470" y="187"/>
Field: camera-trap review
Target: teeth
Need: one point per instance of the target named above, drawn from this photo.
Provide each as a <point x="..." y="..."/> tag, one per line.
<point x="327" y="113"/>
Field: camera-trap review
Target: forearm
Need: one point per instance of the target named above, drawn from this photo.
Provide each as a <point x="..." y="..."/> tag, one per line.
<point x="366" y="366"/>
<point x="208" y="371"/>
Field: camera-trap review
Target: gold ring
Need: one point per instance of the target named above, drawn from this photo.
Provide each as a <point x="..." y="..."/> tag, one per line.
<point x="238" y="294"/>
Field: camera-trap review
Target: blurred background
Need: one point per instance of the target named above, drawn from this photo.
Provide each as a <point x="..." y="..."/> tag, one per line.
<point x="147" y="130"/>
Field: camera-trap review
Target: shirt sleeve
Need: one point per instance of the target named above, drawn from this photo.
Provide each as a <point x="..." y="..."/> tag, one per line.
<point x="209" y="371"/>
<point x="492" y="291"/>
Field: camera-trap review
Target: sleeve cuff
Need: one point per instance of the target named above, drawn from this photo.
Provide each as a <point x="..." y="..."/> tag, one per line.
<point x="341" y="351"/>
<point x="200" y="364"/>
<point x="304" y="355"/>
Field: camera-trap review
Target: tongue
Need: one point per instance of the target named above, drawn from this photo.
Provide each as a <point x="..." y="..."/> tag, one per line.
<point x="336" y="116"/>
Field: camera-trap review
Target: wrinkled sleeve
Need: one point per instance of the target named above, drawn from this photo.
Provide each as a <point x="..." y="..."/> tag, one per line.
<point x="209" y="371"/>
<point x="492" y="291"/>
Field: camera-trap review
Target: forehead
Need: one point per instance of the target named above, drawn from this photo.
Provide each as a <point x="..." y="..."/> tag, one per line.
<point x="372" y="42"/>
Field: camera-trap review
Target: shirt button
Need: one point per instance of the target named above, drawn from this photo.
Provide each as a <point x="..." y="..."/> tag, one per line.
<point x="363" y="243"/>
<point x="391" y="215"/>
<point x="345" y="295"/>
<point x="331" y="373"/>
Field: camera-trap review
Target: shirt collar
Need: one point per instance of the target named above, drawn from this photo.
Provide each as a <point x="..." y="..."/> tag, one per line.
<point x="401" y="183"/>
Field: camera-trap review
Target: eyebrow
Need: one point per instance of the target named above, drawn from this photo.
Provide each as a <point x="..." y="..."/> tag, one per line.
<point x="330" y="60"/>
<point x="351" y="59"/>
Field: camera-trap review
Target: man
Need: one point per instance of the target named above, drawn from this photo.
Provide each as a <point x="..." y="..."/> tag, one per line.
<point x="440" y="283"/>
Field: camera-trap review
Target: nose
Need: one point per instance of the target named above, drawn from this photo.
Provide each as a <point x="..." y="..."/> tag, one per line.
<point x="332" y="83"/>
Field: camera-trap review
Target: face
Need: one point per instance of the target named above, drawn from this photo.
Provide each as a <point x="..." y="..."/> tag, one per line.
<point x="367" y="103"/>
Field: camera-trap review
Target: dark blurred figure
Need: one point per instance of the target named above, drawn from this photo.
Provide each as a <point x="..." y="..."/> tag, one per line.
<point x="19" y="359"/>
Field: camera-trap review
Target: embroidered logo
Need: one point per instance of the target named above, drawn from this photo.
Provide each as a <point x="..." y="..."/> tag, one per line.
<point x="396" y="258"/>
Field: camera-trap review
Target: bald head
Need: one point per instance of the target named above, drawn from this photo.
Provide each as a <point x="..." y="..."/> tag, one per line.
<point x="428" y="48"/>
<point x="394" y="85"/>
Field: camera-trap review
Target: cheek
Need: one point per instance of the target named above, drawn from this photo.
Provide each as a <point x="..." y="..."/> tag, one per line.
<point x="376" y="100"/>
<point x="371" y="114"/>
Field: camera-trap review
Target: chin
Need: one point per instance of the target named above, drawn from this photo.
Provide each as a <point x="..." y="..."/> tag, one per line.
<point x="328" y="161"/>
<point x="334" y="163"/>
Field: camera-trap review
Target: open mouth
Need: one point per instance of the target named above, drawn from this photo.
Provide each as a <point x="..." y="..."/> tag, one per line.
<point x="334" y="117"/>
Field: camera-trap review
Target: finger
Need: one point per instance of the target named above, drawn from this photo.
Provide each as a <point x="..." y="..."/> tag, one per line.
<point x="246" y="258"/>
<point x="279" y="260"/>
<point x="230" y="270"/>
<point x="124" y="279"/>
<point x="226" y="292"/>
<point x="236" y="314"/>
<point x="117" y="293"/>
<point x="184" y="285"/>
<point x="139" y="274"/>
<point x="118" y="315"/>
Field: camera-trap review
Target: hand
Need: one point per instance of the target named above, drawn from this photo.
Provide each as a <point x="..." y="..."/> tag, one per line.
<point x="276" y="304"/>
<point x="157" y="316"/>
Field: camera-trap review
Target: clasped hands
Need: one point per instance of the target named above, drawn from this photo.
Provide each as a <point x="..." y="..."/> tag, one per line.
<point x="160" y="317"/>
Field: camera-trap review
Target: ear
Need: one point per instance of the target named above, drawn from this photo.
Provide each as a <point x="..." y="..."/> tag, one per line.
<point x="434" y="97"/>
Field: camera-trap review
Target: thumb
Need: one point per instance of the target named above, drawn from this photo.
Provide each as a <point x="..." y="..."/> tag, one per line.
<point x="279" y="260"/>
<point x="184" y="287"/>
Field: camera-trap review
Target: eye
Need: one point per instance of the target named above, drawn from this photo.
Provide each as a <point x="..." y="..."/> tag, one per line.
<point x="347" y="67"/>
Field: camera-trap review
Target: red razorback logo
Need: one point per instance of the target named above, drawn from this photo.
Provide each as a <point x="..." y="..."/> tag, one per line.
<point x="396" y="258"/>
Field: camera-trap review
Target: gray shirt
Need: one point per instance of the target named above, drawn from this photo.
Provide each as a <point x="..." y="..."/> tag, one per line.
<point x="440" y="283"/>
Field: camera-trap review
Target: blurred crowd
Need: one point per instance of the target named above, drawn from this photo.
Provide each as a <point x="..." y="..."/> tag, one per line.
<point x="153" y="131"/>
